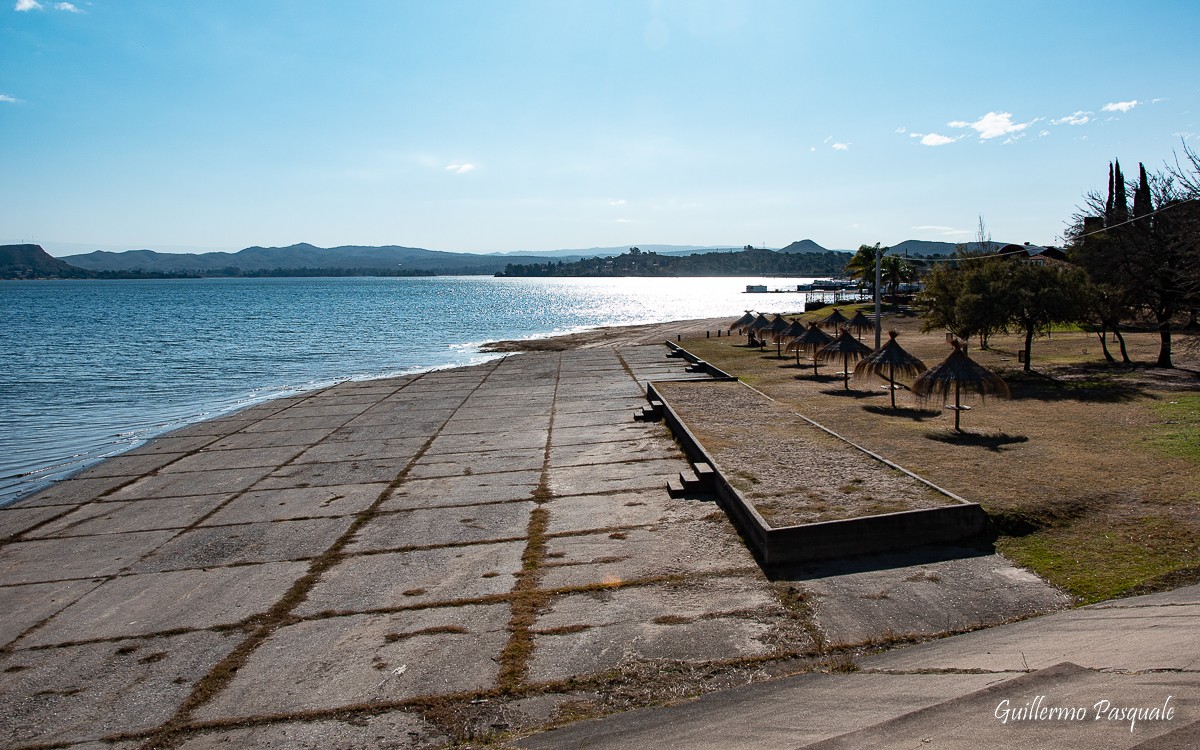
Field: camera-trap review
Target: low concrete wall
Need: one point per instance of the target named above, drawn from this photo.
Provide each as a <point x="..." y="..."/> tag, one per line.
<point x="957" y="521"/>
<point x="715" y="372"/>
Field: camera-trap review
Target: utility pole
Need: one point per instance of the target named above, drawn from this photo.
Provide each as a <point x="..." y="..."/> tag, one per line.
<point x="878" y="306"/>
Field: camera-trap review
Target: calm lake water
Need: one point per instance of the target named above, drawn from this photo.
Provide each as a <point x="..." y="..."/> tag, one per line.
<point x="92" y="368"/>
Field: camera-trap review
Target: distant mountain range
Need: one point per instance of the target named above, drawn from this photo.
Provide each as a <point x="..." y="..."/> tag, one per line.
<point x="30" y="261"/>
<point x="301" y="256"/>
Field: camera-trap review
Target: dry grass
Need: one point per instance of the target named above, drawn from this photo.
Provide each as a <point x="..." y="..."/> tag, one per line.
<point x="1090" y="472"/>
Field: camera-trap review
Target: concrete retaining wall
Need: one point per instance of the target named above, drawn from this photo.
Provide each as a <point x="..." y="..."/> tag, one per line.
<point x="955" y="522"/>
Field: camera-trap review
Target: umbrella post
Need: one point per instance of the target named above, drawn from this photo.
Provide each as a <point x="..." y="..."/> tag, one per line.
<point x="892" y="383"/>
<point x="845" y="371"/>
<point x="957" y="408"/>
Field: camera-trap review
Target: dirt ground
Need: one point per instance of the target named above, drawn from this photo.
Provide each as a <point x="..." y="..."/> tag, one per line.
<point x="792" y="471"/>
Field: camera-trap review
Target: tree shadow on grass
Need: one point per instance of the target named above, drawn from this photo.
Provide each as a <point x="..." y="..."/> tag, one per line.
<point x="1088" y="387"/>
<point x="916" y="415"/>
<point x="993" y="441"/>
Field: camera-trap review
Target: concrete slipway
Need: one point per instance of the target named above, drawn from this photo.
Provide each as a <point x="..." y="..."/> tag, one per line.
<point x="471" y="554"/>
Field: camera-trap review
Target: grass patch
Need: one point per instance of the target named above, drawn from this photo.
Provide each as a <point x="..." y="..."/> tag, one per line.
<point x="1177" y="433"/>
<point x="1096" y="560"/>
<point x="1090" y="472"/>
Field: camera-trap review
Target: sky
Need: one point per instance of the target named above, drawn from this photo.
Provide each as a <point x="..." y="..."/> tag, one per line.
<point x="491" y="126"/>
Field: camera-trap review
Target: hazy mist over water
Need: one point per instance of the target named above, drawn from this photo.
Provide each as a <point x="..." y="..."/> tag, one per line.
<point x="93" y="368"/>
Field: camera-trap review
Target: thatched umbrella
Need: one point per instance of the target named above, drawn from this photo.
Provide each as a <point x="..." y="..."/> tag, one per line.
<point x="751" y="330"/>
<point x="741" y="323"/>
<point x="847" y="347"/>
<point x="794" y="331"/>
<point x="812" y="340"/>
<point x="761" y="323"/>
<point x="887" y="359"/>
<point x="778" y="326"/>
<point x="860" y="323"/>
<point x="956" y="372"/>
<point x="834" y="319"/>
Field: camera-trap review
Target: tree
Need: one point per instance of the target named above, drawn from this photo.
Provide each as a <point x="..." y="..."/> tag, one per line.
<point x="1106" y="304"/>
<point x="1039" y="296"/>
<point x="896" y="271"/>
<point x="1146" y="260"/>
<point x="987" y="294"/>
<point x="862" y="266"/>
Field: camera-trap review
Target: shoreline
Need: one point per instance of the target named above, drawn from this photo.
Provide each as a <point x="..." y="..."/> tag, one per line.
<point x="601" y="336"/>
<point x="609" y="336"/>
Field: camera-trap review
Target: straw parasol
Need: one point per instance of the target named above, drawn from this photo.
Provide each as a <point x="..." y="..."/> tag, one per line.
<point x="794" y="331"/>
<point x="741" y="323"/>
<point x="834" y="319"/>
<point x="860" y="323"/>
<point x="778" y="326"/>
<point x="761" y="323"/>
<point x="847" y="347"/>
<point x="887" y="359"/>
<point x="812" y="340"/>
<point x="956" y="372"/>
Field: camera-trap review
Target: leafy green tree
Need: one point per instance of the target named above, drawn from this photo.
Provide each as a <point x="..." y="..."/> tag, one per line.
<point x="862" y="266"/>
<point x="1040" y="296"/>
<point x="896" y="271"/>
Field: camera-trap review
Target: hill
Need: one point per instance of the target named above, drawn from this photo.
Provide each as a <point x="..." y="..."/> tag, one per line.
<point x="929" y="247"/>
<point x="752" y="262"/>
<point x="32" y="262"/>
<point x="303" y="256"/>
<point x="805" y="246"/>
<point x="608" y="252"/>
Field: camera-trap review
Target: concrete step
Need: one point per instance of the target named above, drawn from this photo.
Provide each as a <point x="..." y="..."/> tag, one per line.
<point x="651" y="413"/>
<point x="675" y="488"/>
<point x="705" y="473"/>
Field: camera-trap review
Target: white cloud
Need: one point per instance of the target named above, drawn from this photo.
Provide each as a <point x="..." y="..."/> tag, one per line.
<point x="841" y="147"/>
<point x="68" y="7"/>
<point x="901" y="130"/>
<point x="1077" y="118"/>
<point x="993" y="125"/>
<point x="618" y="202"/>
<point x="27" y="5"/>
<point x="1043" y="134"/>
<point x="9" y="99"/>
<point x="622" y="221"/>
<point x="459" y="168"/>
<point x="1119" y="106"/>
<point x="944" y="231"/>
<point x="935" y="139"/>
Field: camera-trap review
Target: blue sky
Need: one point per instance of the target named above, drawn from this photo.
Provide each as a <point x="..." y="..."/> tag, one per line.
<point x="495" y="126"/>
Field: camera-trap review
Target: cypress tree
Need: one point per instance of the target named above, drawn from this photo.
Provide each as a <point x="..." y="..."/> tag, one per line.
<point x="1120" y="210"/>
<point x="1141" y="197"/>
<point x="1108" y="204"/>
